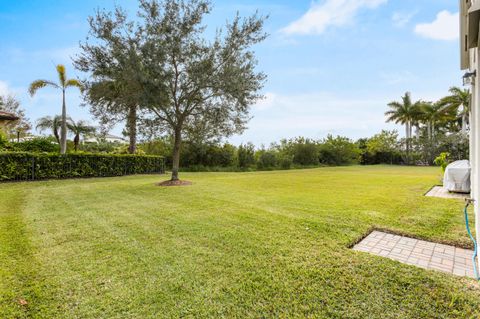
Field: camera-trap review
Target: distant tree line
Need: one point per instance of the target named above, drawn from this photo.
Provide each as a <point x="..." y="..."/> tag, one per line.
<point x="432" y="127"/>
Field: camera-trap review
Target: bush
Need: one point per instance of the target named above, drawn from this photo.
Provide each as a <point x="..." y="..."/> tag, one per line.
<point x="442" y="160"/>
<point x="36" y="166"/>
<point x="382" y="148"/>
<point x="305" y="153"/>
<point x="246" y="155"/>
<point x="285" y="161"/>
<point x="266" y="160"/>
<point x="200" y="154"/>
<point x="222" y="156"/>
<point x="338" y="151"/>
<point x="38" y="144"/>
<point x="3" y="141"/>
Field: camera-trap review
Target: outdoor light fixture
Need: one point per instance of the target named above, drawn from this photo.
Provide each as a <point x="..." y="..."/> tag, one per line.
<point x="469" y="78"/>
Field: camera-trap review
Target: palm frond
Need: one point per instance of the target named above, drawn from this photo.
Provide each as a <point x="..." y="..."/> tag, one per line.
<point x="38" y="84"/>
<point x="407" y="100"/>
<point x="62" y="76"/>
<point x="81" y="127"/>
<point x="44" y="123"/>
<point x="74" y="83"/>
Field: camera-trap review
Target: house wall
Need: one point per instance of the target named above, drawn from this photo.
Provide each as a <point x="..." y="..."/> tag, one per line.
<point x="475" y="141"/>
<point x="470" y="62"/>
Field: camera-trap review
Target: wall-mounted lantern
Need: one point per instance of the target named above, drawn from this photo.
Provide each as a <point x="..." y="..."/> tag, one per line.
<point x="469" y="78"/>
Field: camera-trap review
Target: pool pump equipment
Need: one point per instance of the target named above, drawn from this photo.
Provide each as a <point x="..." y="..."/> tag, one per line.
<point x="475" y="250"/>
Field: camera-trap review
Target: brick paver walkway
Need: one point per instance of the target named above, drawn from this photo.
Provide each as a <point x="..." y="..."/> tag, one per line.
<point x="419" y="253"/>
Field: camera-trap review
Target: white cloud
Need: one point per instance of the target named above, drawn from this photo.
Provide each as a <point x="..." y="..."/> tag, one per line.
<point x="401" y="19"/>
<point x="4" y="89"/>
<point x="314" y="115"/>
<point x="267" y="102"/>
<point x="329" y="13"/>
<point x="444" y="27"/>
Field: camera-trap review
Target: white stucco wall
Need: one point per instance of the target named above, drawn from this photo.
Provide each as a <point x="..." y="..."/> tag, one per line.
<point x="474" y="142"/>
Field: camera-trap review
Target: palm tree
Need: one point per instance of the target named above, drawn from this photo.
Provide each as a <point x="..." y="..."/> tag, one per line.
<point x="458" y="101"/>
<point x="49" y="123"/>
<point x="79" y="128"/>
<point x="63" y="84"/>
<point x="405" y="113"/>
<point x="431" y="115"/>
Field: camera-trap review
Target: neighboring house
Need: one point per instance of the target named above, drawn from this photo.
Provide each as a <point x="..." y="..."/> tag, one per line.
<point x="7" y="120"/>
<point x="470" y="61"/>
<point x="107" y="138"/>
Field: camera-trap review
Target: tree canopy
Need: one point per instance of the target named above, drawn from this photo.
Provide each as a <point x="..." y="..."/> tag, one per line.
<point x="182" y="81"/>
<point x="9" y="103"/>
<point x="114" y="90"/>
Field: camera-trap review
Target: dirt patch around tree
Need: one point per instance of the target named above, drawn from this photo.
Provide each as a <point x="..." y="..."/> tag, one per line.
<point x="175" y="183"/>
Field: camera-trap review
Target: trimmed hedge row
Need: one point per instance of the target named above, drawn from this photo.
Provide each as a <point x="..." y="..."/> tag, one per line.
<point x="36" y="166"/>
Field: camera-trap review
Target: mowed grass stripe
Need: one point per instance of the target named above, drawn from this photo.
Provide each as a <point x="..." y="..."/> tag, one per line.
<point x="239" y="245"/>
<point x="23" y="291"/>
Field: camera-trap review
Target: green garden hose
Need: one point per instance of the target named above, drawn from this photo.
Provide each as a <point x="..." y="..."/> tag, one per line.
<point x="465" y="213"/>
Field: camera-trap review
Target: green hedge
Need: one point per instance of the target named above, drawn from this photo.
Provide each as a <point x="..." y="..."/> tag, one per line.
<point x="35" y="166"/>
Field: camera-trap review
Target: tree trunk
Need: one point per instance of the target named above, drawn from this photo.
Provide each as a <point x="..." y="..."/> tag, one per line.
<point x="176" y="153"/>
<point x="63" y="133"/>
<point x="429" y="130"/>
<point x="57" y="137"/>
<point x="132" y="129"/>
<point x="407" y="141"/>
<point x="76" y="141"/>
<point x="464" y="122"/>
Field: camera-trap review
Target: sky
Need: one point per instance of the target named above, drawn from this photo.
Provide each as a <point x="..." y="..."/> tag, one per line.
<point x="332" y="65"/>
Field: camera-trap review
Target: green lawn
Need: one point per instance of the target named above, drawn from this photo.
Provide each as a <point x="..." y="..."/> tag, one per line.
<point x="233" y="245"/>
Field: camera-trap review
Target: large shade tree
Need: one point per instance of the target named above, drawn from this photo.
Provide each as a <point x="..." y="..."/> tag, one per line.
<point x="406" y="113"/>
<point x="458" y="101"/>
<point x="114" y="60"/>
<point x="62" y="85"/>
<point x="193" y="82"/>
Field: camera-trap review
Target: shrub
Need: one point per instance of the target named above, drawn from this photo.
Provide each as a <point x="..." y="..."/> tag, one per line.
<point x="246" y="155"/>
<point x="3" y="141"/>
<point x="222" y="156"/>
<point x="285" y="161"/>
<point x="211" y="155"/>
<point x="457" y="145"/>
<point x="338" y="151"/>
<point x="382" y="148"/>
<point x="306" y="154"/>
<point x="38" y="144"/>
<point x="442" y="160"/>
<point x="266" y="160"/>
<point x="35" y="166"/>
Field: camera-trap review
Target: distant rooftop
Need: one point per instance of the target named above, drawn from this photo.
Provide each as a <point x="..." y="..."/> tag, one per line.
<point x="114" y="137"/>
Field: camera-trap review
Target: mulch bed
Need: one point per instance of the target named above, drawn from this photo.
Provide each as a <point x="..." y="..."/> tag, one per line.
<point x="175" y="183"/>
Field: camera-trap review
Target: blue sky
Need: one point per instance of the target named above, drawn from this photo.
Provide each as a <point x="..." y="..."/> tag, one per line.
<point x="332" y="65"/>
